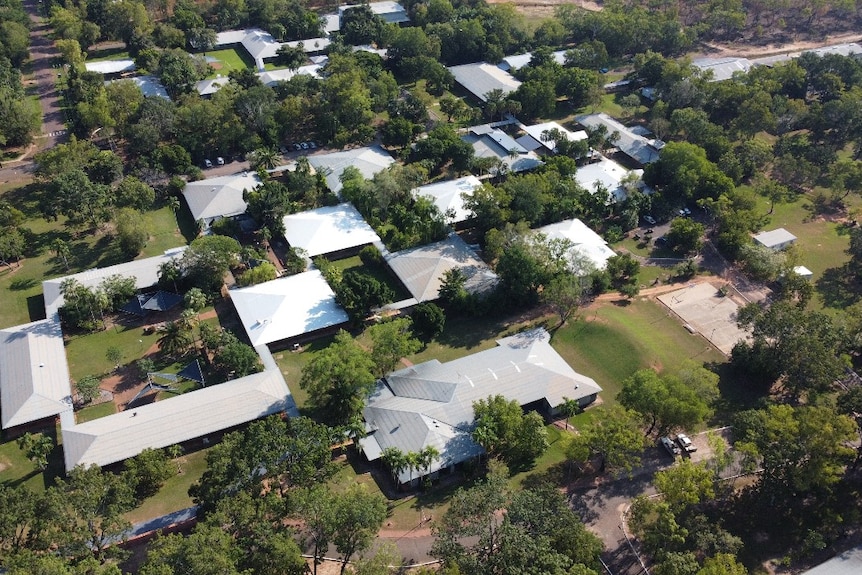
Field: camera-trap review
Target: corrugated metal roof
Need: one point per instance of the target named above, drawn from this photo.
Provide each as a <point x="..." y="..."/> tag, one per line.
<point x="723" y="68"/>
<point x="482" y="77"/>
<point x="34" y="375"/>
<point x="607" y="173"/>
<point x="110" y="66"/>
<point x="847" y="563"/>
<point x="537" y="130"/>
<point x="774" y="238"/>
<point x="448" y="195"/>
<point x="117" y="437"/>
<point x="423" y="269"/>
<point x="328" y="229"/>
<point x="587" y="242"/>
<point x="369" y="161"/>
<point x="144" y="271"/>
<point x="635" y="146"/>
<point x="219" y="197"/>
<point x="287" y="307"/>
<point x="432" y="403"/>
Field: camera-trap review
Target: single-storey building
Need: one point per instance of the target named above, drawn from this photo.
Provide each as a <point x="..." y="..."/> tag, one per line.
<point x="287" y="307"/>
<point x="449" y="197"/>
<point x="34" y="375"/>
<point x="586" y="243"/>
<point x="846" y="563"/>
<point x="331" y="231"/>
<point x="535" y="138"/>
<point x="222" y="197"/>
<point x="111" y="67"/>
<point x="777" y="239"/>
<point x="722" y="68"/>
<point x="150" y="86"/>
<point x="639" y="148"/>
<point x="117" y="437"/>
<point x="490" y="142"/>
<point x="369" y="161"/>
<point x="481" y="78"/>
<point x="260" y="45"/>
<point x="423" y="269"/>
<point x="431" y="403"/>
<point x="391" y="12"/>
<point x="520" y="60"/>
<point x="608" y="175"/>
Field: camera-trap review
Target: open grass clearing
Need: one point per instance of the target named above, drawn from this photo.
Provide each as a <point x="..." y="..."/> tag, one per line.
<point x="227" y="60"/>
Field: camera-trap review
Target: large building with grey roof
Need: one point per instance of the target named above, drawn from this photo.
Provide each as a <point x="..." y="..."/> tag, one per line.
<point x="637" y="147"/>
<point x="222" y="197"/>
<point x="431" y="404"/>
<point x="481" y="78"/>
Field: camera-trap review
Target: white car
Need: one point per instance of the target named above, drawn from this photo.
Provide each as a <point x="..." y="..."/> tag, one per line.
<point x="685" y="443"/>
<point x="650" y="220"/>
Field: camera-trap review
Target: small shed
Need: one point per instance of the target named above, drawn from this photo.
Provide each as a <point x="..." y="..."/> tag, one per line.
<point x="778" y="239"/>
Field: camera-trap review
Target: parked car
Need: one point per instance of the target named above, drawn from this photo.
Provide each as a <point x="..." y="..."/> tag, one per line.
<point x="312" y="145"/>
<point x="296" y="147"/>
<point x="650" y="220"/>
<point x="687" y="211"/>
<point x="661" y="240"/>
<point x="685" y="443"/>
<point x="208" y="164"/>
<point x="220" y="161"/>
<point x="671" y="447"/>
<point x="304" y="145"/>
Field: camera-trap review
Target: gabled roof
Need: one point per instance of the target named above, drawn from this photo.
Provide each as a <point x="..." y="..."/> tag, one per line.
<point x="537" y="130"/>
<point x="287" y="307"/>
<point x="110" y="66"/>
<point x="773" y="238"/>
<point x="368" y="161"/>
<point x="282" y="75"/>
<point x="391" y="12"/>
<point x="259" y="44"/>
<point x="586" y="242"/>
<point x="637" y="147"/>
<point x="149" y="85"/>
<point x="328" y="229"/>
<point x="432" y="403"/>
<point x="448" y="195"/>
<point x="521" y="60"/>
<point x="34" y="376"/>
<point x="847" y="563"/>
<point x="422" y="269"/>
<point x="211" y="86"/>
<point x="494" y="143"/>
<point x="607" y="173"/>
<point x="722" y="68"/>
<point x="482" y="77"/>
<point x="117" y="437"/>
<point x="144" y="271"/>
<point x="219" y="197"/>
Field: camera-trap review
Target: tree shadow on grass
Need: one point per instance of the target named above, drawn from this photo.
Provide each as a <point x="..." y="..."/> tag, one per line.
<point x="839" y="287"/>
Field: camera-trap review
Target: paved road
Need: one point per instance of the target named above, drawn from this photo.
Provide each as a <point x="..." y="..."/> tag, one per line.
<point x="43" y="57"/>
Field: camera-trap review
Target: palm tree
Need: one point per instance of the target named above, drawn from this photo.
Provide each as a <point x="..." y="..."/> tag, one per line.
<point x="414" y="462"/>
<point x="395" y="460"/>
<point x="263" y="158"/>
<point x="61" y="249"/>
<point x="569" y="408"/>
<point x="173" y="204"/>
<point x="426" y="458"/>
<point x="176" y="337"/>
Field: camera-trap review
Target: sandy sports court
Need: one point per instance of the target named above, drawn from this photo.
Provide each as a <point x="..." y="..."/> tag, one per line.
<point x="702" y="307"/>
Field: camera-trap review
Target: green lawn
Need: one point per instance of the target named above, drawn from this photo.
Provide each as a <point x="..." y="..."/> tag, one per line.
<point x="96" y="411"/>
<point x="613" y="341"/>
<point x="86" y="353"/>
<point x="229" y="59"/>
<point x="174" y="495"/>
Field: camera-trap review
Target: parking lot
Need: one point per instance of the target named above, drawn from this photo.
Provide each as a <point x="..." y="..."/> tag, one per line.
<point x="706" y="311"/>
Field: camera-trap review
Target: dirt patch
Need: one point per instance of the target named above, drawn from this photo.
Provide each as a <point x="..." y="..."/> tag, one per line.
<point x="545" y="8"/>
<point x="752" y="49"/>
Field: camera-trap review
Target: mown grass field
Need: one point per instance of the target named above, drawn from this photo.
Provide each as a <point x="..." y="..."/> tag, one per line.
<point x="229" y="59"/>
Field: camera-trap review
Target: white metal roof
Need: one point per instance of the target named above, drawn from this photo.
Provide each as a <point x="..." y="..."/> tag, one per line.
<point x="282" y="75"/>
<point x="607" y="173"/>
<point x="536" y="130"/>
<point x="448" y="195"/>
<point x="773" y="238"/>
<point x="111" y="66"/>
<point x="331" y="23"/>
<point x="149" y="85"/>
<point x="328" y="229"/>
<point x="723" y="68"/>
<point x="493" y="145"/>
<point x="521" y="60"/>
<point x="482" y="77"/>
<point x="587" y="242"/>
<point x="123" y="435"/>
<point x="211" y="86"/>
<point x="368" y="161"/>
<point x="259" y="44"/>
<point x="219" y="197"/>
<point x="391" y="12"/>
<point x="34" y="375"/>
<point x="145" y="271"/>
<point x="803" y="271"/>
<point x="310" y="45"/>
<point x="422" y="269"/>
<point x="287" y="307"/>
<point x="637" y="147"/>
<point x="432" y="403"/>
<point x="847" y="563"/>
